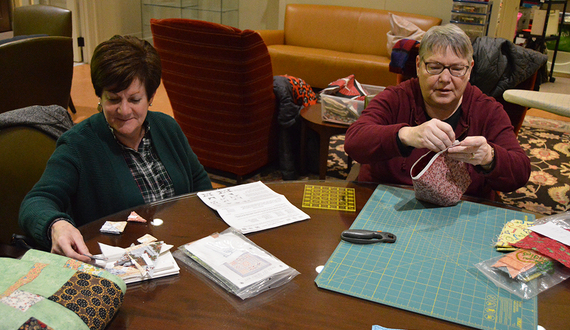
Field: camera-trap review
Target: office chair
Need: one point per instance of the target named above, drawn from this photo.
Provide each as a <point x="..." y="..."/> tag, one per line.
<point x="36" y="71"/>
<point x="220" y="84"/>
<point x="44" y="20"/>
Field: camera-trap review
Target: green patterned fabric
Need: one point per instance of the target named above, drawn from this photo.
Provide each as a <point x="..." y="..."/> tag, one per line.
<point x="59" y="292"/>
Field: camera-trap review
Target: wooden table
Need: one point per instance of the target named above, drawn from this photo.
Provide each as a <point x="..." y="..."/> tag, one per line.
<point x="189" y="300"/>
<point x="312" y="119"/>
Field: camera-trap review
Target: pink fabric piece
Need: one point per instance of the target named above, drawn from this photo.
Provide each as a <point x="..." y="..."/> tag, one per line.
<point x="438" y="179"/>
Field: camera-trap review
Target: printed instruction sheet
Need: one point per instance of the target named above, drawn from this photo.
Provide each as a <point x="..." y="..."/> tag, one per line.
<point x="252" y="207"/>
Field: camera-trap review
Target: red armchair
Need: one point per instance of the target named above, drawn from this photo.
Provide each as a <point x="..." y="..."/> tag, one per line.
<point x="220" y="84"/>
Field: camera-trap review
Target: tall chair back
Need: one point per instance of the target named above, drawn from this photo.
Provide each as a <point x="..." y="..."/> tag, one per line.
<point x="42" y="19"/>
<point x="220" y="85"/>
<point x="36" y="71"/>
<point x="27" y="139"/>
<point x="25" y="152"/>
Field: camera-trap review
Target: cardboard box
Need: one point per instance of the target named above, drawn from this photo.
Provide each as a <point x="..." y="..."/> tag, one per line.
<point x="342" y="110"/>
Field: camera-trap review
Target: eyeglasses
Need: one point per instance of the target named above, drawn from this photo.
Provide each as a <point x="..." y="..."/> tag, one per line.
<point x="455" y="70"/>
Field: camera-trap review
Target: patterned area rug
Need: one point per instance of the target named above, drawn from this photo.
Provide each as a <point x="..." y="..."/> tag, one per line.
<point x="547" y="144"/>
<point x="546" y="141"/>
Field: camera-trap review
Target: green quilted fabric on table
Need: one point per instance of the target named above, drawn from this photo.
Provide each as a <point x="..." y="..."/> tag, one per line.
<point x="58" y="292"/>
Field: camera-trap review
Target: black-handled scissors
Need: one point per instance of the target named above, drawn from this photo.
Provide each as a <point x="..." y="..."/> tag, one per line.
<point x="363" y="236"/>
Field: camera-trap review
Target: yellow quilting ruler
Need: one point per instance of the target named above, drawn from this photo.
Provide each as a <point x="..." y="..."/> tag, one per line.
<point x="329" y="198"/>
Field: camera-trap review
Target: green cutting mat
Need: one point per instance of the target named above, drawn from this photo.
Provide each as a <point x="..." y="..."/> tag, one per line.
<point x="430" y="269"/>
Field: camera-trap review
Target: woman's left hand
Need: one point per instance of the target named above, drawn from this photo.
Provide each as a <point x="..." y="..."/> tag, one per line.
<point x="473" y="150"/>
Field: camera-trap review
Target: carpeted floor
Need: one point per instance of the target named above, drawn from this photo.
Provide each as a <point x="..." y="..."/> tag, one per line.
<point x="546" y="141"/>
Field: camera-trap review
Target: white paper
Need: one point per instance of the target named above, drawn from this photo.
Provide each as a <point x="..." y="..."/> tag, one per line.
<point x="252" y="207"/>
<point x="553" y="231"/>
<point x="236" y="260"/>
<point x="164" y="265"/>
<point x="244" y="193"/>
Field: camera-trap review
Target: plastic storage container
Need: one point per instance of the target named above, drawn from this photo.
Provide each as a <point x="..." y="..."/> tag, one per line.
<point x="472" y="17"/>
<point x="342" y="110"/>
<point x="470" y="7"/>
<point x="473" y="31"/>
<point x="469" y="18"/>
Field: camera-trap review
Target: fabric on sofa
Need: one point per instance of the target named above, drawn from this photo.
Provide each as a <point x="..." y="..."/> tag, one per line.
<point x="321" y="43"/>
<point x="402" y="29"/>
<point x="219" y="82"/>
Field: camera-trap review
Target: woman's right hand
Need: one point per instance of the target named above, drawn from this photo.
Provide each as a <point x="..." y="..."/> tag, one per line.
<point x="434" y="135"/>
<point x="68" y="241"/>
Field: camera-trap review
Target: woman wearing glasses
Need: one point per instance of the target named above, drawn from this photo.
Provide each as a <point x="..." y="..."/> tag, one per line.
<point x="433" y="111"/>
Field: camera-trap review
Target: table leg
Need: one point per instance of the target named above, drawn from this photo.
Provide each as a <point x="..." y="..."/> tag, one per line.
<point x="323" y="155"/>
<point x="303" y="148"/>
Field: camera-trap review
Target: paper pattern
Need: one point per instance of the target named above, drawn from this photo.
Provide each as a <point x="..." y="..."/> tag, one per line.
<point x="252" y="207"/>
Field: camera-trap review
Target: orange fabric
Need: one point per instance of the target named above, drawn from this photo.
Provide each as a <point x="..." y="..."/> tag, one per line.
<point x="302" y="92"/>
<point x="29" y="277"/>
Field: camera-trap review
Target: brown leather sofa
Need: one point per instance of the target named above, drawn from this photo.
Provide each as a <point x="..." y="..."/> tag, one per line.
<point x="322" y="43"/>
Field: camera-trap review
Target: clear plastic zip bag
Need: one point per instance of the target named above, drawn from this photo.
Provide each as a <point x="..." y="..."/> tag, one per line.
<point x="524" y="272"/>
<point x="236" y="263"/>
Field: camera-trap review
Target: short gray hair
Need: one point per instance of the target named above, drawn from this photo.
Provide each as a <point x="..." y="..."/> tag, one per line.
<point x="441" y="37"/>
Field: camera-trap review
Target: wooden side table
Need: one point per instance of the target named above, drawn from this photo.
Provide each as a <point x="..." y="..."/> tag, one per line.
<point x="312" y="119"/>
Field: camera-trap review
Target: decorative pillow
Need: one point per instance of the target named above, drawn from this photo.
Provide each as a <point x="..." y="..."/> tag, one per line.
<point x="439" y="179"/>
<point x="52" y="291"/>
<point x="402" y="29"/>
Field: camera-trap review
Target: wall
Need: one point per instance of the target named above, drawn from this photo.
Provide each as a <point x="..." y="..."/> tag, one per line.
<point x="101" y="19"/>
<point x="259" y="14"/>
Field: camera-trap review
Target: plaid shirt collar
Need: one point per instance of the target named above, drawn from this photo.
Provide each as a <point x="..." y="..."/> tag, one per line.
<point x="148" y="171"/>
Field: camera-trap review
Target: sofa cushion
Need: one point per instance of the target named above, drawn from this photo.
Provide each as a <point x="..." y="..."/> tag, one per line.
<point x="322" y="43"/>
<point x="330" y="65"/>
<point x="344" y="29"/>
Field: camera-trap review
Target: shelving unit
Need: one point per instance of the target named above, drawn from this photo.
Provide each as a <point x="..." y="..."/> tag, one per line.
<point x="472" y="17"/>
<point x="218" y="11"/>
<point x="544" y="37"/>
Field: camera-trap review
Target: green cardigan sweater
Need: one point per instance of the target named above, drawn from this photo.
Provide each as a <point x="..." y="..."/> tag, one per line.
<point x="87" y="177"/>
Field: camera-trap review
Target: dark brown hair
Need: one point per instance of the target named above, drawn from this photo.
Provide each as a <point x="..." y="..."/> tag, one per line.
<point x="119" y="60"/>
